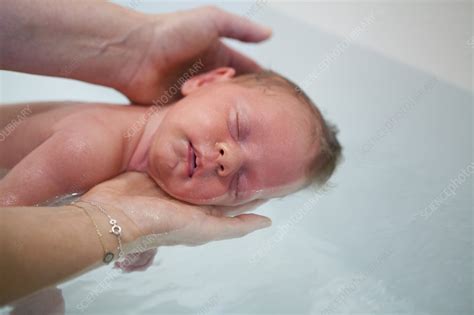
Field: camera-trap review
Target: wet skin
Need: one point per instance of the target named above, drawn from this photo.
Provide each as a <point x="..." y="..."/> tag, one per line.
<point x="222" y="144"/>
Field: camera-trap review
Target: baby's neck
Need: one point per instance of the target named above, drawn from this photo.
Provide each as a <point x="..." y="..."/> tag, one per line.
<point x="146" y="129"/>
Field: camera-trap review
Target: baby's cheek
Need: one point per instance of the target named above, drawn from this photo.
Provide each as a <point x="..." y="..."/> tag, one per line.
<point x="207" y="192"/>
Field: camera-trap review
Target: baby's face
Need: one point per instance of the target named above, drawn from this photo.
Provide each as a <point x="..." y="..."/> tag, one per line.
<point x="226" y="144"/>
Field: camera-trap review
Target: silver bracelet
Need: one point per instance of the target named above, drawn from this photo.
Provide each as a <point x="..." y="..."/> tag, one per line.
<point x="115" y="228"/>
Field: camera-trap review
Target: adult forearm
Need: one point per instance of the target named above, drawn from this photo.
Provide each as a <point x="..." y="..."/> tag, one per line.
<point x="92" y="41"/>
<point x="41" y="246"/>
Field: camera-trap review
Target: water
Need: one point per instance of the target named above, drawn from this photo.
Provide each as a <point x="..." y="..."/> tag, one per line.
<point x="376" y="242"/>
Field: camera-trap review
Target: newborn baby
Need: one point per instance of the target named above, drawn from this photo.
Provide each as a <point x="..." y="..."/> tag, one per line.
<point x="230" y="140"/>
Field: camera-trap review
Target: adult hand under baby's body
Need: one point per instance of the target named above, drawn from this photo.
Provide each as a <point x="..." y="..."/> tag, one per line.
<point x="159" y="220"/>
<point x="147" y="217"/>
<point x="181" y="43"/>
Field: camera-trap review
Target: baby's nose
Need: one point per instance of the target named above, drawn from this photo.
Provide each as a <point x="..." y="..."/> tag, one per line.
<point x="229" y="159"/>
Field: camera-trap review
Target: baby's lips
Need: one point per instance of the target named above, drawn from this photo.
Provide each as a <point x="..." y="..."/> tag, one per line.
<point x="189" y="156"/>
<point x="191" y="159"/>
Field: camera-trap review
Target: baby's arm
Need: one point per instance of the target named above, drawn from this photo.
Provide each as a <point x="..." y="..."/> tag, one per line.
<point x="67" y="161"/>
<point x="23" y="127"/>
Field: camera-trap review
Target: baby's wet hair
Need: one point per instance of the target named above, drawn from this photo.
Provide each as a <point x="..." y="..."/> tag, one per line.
<point x="323" y="165"/>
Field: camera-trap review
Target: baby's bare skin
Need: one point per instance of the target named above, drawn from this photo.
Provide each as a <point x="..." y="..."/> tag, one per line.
<point x="63" y="148"/>
<point x="223" y="143"/>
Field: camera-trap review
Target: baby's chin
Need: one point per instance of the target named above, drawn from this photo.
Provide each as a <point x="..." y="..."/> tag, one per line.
<point x="189" y="198"/>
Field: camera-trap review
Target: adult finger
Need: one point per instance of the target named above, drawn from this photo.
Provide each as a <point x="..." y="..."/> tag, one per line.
<point x="241" y="63"/>
<point x="237" y="27"/>
<point x="221" y="228"/>
<point x="231" y="211"/>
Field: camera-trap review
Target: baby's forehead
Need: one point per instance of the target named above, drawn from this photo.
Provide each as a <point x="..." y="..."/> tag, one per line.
<point x="282" y="129"/>
<point x="279" y="159"/>
<point x="282" y="120"/>
<point x="277" y="103"/>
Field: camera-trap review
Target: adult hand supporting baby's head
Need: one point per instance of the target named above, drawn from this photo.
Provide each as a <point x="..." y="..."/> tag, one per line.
<point x="159" y="220"/>
<point x="141" y="55"/>
<point x="177" y="45"/>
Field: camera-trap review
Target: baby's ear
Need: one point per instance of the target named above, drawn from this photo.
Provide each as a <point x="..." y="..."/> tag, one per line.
<point x="217" y="75"/>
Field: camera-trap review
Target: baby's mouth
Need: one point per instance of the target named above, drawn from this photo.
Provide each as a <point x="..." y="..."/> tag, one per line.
<point x="191" y="160"/>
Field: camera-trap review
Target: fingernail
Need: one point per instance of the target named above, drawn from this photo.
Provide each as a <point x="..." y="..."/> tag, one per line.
<point x="268" y="30"/>
<point x="265" y="224"/>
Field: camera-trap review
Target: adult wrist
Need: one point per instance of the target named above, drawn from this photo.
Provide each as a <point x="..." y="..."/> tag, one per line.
<point x="112" y="227"/>
<point x="116" y="58"/>
<point x="141" y="68"/>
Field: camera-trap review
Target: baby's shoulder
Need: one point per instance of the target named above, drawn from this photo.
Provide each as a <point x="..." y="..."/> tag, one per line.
<point x="98" y="128"/>
<point x="108" y="119"/>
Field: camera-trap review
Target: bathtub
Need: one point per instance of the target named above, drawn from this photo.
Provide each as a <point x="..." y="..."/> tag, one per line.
<point x="392" y="233"/>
